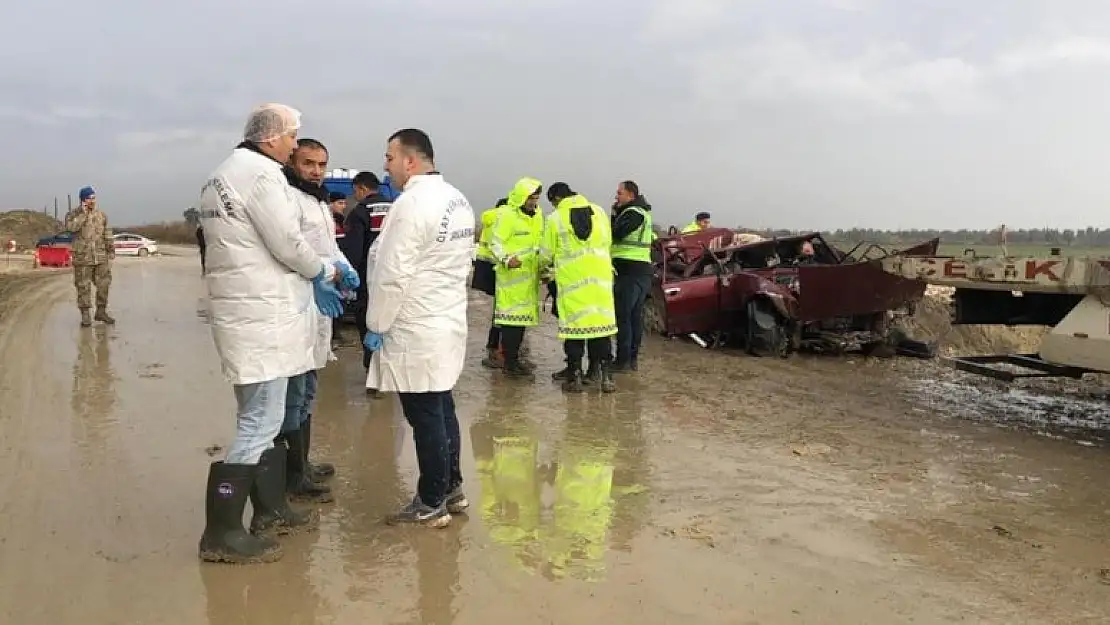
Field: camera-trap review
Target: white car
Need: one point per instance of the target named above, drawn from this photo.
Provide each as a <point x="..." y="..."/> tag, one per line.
<point x="128" y="244"/>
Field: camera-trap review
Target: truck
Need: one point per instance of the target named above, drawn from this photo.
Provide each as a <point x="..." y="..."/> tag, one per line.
<point x="341" y="180"/>
<point x="1070" y="294"/>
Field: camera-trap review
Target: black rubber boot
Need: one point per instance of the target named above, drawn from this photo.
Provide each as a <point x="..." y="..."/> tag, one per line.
<point x="272" y="512"/>
<point x="608" y="384"/>
<point x="224" y="539"/>
<point x="592" y="375"/>
<point x="316" y="472"/>
<point x="298" y="484"/>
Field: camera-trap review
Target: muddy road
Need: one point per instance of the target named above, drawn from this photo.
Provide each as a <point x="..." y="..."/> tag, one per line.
<point x="742" y="491"/>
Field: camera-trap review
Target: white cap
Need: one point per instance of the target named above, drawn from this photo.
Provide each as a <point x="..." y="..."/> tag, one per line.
<point x="270" y="121"/>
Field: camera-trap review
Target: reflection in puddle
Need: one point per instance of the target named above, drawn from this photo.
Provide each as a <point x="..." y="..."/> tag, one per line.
<point x="93" y="397"/>
<point x="556" y="510"/>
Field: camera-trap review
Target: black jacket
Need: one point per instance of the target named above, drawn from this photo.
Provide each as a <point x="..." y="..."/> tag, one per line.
<point x="625" y="222"/>
<point x="358" y="236"/>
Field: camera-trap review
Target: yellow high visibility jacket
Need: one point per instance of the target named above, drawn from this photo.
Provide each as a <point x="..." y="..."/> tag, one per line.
<point x="691" y="227"/>
<point x="583" y="272"/>
<point x="489" y="216"/>
<point x="517" y="234"/>
<point x="637" y="245"/>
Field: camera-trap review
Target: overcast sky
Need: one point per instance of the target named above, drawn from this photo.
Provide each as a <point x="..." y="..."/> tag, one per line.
<point x="788" y="113"/>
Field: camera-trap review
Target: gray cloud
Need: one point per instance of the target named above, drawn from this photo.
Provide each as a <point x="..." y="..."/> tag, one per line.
<point x="796" y="113"/>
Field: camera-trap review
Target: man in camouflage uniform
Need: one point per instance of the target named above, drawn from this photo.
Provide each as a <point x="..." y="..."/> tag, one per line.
<point x="93" y="251"/>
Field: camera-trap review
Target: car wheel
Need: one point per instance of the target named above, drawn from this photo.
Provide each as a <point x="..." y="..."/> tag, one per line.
<point x="143" y="252"/>
<point x="765" y="335"/>
<point x="655" y="316"/>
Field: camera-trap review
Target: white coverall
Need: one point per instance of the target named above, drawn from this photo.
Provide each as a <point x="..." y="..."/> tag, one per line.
<point x="372" y="255"/>
<point x="260" y="267"/>
<point x="417" y="292"/>
<point x="318" y="227"/>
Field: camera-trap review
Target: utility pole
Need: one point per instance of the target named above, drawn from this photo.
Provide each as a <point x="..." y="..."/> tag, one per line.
<point x="55" y="208"/>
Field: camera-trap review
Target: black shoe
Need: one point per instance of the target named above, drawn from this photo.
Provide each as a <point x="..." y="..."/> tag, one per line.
<point x="298" y="481"/>
<point x="573" y="383"/>
<point x="456" y="501"/>
<point x="562" y="375"/>
<point x="271" y="509"/>
<point x="224" y="539"/>
<point x="622" y="367"/>
<point x="417" y="513"/>
<point x="517" y="370"/>
<point x="316" y="472"/>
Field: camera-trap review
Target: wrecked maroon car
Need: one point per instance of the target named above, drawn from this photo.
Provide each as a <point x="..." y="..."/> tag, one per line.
<point x="777" y="296"/>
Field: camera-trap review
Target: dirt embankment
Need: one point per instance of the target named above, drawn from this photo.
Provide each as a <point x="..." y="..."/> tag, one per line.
<point x="933" y="322"/>
<point x="26" y="227"/>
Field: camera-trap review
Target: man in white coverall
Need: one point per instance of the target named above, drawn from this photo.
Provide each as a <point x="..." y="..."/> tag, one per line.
<point x="265" y="284"/>
<point x="416" y="319"/>
<point x="305" y="174"/>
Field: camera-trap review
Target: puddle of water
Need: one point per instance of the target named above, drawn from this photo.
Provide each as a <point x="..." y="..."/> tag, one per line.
<point x="1063" y="414"/>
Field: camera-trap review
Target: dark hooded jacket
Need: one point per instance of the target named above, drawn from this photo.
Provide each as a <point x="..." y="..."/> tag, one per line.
<point x="625" y="222"/>
<point x="358" y="236"/>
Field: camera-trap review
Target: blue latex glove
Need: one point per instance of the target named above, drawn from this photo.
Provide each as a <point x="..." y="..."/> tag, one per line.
<point x="373" y="341"/>
<point x="327" y="296"/>
<point x="348" y="278"/>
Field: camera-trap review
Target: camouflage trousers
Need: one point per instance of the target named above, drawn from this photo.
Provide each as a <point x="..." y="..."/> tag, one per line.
<point x="87" y="276"/>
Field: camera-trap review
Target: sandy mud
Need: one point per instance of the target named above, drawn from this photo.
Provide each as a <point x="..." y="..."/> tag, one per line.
<point x="712" y="488"/>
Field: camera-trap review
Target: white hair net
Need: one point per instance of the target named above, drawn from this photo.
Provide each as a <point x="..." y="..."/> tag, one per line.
<point x="270" y="121"/>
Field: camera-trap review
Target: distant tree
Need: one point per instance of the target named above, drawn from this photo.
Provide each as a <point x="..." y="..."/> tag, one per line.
<point x="192" y="216"/>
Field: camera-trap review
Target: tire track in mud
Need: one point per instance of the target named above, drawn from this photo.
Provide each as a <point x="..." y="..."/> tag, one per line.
<point x="25" y="299"/>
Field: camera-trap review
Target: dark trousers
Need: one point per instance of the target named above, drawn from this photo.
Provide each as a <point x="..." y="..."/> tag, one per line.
<point x="360" y="323"/>
<point x="203" y="252"/>
<point x="435" y="430"/>
<point x="512" y="337"/>
<point x="493" y="341"/>
<point x="599" y="350"/>
<point x="629" y="294"/>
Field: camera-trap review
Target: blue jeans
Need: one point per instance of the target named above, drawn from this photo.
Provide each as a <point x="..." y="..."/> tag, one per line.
<point x="298" y="400"/>
<point x="629" y="294"/>
<point x="261" y="408"/>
